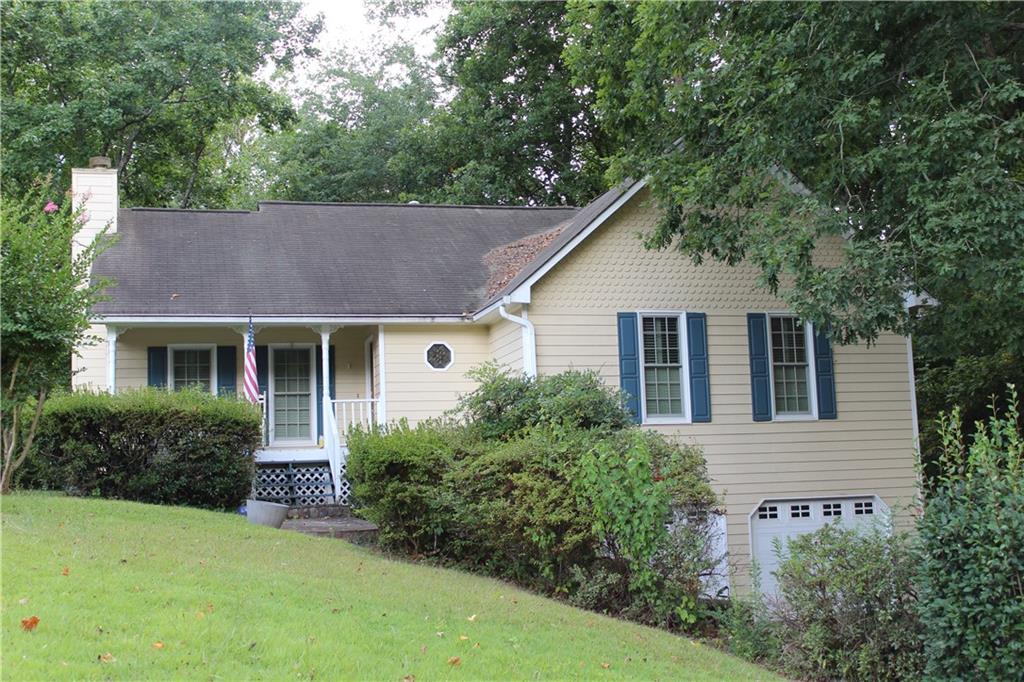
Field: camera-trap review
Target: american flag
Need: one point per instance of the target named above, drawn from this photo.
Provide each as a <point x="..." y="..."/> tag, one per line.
<point x="252" y="387"/>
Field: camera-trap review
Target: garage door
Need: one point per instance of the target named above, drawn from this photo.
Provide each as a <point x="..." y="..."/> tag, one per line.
<point x="786" y="518"/>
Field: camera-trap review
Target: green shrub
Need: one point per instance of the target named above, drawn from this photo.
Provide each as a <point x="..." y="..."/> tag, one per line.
<point x="651" y="506"/>
<point x="972" y="564"/>
<point x="847" y="606"/>
<point x="548" y="483"/>
<point x="507" y="404"/>
<point x="515" y="510"/>
<point x="149" y="445"/>
<point x="396" y="474"/>
<point x="748" y="629"/>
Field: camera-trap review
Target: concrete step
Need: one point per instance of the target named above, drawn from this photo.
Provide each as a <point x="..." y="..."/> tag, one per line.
<point x="359" y="531"/>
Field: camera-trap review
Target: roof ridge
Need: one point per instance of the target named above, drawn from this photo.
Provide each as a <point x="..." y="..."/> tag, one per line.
<point x="186" y="210"/>
<point x="411" y="205"/>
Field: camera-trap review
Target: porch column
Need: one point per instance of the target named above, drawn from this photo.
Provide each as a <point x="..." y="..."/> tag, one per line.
<point x="325" y="332"/>
<point x="112" y="333"/>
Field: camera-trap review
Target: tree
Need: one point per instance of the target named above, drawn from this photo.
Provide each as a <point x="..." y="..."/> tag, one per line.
<point x="43" y="313"/>
<point x="516" y="130"/>
<point x="763" y="127"/>
<point x="356" y="118"/>
<point x="147" y="83"/>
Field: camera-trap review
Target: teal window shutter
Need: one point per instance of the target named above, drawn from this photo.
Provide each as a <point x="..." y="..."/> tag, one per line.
<point x="156" y="366"/>
<point x="629" y="363"/>
<point x="226" y="358"/>
<point x="825" y="376"/>
<point x="262" y="369"/>
<point x="760" y="382"/>
<point x="700" y="379"/>
<point x="320" y="385"/>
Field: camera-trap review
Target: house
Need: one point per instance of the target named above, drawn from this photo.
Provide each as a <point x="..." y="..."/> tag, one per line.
<point x="403" y="299"/>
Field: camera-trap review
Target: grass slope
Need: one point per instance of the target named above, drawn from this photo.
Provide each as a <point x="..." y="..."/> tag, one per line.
<point x="158" y="592"/>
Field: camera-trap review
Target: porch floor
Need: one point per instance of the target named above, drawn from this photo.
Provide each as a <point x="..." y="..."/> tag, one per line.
<point x="348" y="528"/>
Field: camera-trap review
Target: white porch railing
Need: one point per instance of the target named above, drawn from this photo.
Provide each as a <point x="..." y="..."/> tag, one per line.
<point x="265" y="426"/>
<point x="359" y="412"/>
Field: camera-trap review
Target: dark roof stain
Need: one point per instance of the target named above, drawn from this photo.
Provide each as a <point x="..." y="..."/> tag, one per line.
<point x="312" y="259"/>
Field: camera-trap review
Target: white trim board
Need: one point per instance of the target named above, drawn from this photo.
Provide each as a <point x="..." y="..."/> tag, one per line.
<point x="279" y="321"/>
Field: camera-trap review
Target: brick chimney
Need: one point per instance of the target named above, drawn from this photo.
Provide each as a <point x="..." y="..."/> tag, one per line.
<point x="95" y="188"/>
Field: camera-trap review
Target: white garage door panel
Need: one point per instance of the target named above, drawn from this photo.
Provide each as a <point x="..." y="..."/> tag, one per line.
<point x="776" y="521"/>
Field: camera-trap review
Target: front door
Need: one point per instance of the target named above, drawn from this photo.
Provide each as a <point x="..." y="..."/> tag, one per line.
<point x="292" y="382"/>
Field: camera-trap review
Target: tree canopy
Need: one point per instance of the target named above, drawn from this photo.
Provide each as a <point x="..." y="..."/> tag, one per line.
<point x="151" y="84"/>
<point x="763" y="127"/>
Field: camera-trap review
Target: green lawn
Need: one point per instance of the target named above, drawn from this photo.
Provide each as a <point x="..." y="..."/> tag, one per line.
<point x="165" y="592"/>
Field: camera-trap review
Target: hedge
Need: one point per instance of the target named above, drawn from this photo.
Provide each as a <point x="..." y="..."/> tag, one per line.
<point x="188" y="448"/>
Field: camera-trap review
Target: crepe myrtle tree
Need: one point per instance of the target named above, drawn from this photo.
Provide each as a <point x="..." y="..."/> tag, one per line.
<point x="44" y="307"/>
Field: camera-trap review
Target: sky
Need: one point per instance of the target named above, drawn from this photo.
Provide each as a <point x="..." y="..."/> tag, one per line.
<point x="346" y="26"/>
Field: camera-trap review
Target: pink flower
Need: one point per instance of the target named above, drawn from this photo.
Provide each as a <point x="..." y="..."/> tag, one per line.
<point x="50" y="207"/>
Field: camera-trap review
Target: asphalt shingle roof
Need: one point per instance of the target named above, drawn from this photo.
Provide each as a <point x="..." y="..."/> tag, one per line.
<point x="310" y="259"/>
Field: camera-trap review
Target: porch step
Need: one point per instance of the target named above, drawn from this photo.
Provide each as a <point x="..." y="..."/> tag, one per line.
<point x="320" y="511"/>
<point x="359" y="531"/>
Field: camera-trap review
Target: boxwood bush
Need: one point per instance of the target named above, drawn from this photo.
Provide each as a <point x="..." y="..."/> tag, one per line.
<point x="187" y="448"/>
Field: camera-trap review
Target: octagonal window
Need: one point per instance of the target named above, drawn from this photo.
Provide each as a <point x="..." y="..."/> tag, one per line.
<point x="440" y="356"/>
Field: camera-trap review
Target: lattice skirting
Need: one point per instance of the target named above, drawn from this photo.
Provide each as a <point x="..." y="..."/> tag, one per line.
<point x="298" y="483"/>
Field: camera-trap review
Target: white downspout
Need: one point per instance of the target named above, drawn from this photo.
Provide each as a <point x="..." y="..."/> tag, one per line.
<point x="112" y="333"/>
<point x="529" y="337"/>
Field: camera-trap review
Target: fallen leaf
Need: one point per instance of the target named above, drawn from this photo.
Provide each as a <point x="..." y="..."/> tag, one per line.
<point x="209" y="607"/>
<point x="477" y="645"/>
<point x="409" y="678"/>
<point x="200" y="615"/>
<point x="423" y="649"/>
<point x="454" y="661"/>
<point x="107" y="657"/>
<point x="606" y="665"/>
<point x="65" y="571"/>
<point x="463" y="638"/>
<point x="158" y="645"/>
<point x="439" y="634"/>
<point x="29" y="624"/>
<point x="472" y="618"/>
<point x="23" y="601"/>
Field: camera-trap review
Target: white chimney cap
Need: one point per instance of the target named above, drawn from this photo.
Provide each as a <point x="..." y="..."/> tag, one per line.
<point x="99" y="162"/>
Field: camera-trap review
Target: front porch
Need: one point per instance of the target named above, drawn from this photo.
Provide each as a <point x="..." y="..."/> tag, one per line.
<point x="302" y="461"/>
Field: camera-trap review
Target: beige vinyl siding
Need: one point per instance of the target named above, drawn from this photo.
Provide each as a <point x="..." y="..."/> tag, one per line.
<point x="413" y="389"/>
<point x="506" y="344"/>
<point x="89" y="364"/>
<point x="867" y="450"/>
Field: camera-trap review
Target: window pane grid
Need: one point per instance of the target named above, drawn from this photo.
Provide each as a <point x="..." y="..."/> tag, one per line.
<point x="291" y="393"/>
<point x="790" y="366"/>
<point x="662" y="366"/>
<point x="191" y="369"/>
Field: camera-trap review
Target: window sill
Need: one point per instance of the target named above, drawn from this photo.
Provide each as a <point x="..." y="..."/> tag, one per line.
<point x="665" y="421"/>
<point x="794" y="418"/>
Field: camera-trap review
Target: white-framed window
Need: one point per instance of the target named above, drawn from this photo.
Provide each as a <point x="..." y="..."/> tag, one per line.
<point x="664" y="385"/>
<point x="192" y="367"/>
<point x="791" y="346"/>
<point x="439" y="356"/>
